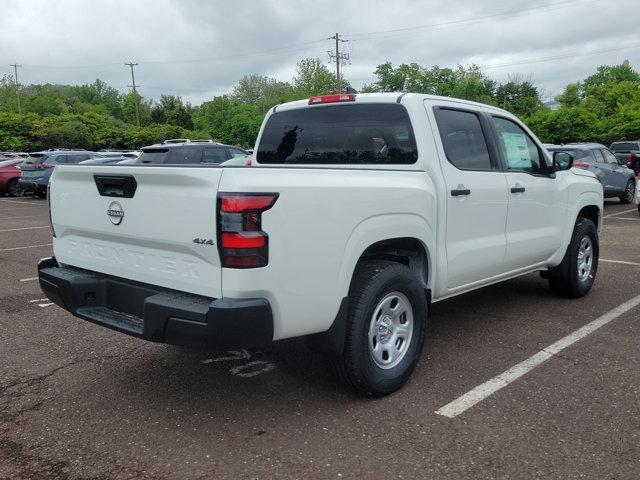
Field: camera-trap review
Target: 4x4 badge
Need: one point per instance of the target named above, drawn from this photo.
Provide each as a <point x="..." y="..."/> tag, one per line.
<point x="203" y="241"/>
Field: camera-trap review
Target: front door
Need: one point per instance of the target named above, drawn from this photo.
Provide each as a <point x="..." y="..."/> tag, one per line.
<point x="536" y="213"/>
<point x="477" y="198"/>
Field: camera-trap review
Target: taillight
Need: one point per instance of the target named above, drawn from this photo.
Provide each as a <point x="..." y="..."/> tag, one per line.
<point x="42" y="166"/>
<point x="341" y="97"/>
<point x="241" y="241"/>
<point x="630" y="159"/>
<point x="581" y="165"/>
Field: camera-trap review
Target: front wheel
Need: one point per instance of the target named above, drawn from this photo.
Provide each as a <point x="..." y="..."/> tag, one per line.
<point x="629" y="193"/>
<point x="574" y="277"/>
<point x="385" y="328"/>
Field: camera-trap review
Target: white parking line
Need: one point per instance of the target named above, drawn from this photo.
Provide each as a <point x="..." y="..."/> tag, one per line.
<point x="38" y="300"/>
<point x="30" y="279"/>
<point x="620" y="213"/>
<point x="22" y="248"/>
<point x="619" y="261"/>
<point x="45" y="304"/>
<point x="624" y="218"/>
<point x="15" y="201"/>
<point x="488" y="388"/>
<point x="23" y="228"/>
<point x="20" y="218"/>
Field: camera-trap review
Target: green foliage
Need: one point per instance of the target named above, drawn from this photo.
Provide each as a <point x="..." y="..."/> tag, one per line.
<point x="604" y="107"/>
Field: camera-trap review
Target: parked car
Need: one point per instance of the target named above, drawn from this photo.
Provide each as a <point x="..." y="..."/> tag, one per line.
<point x="10" y="154"/>
<point x="186" y="152"/>
<point x="37" y="168"/>
<point x="629" y="153"/>
<point x="359" y="210"/>
<point x="617" y="179"/>
<point x="10" y="175"/>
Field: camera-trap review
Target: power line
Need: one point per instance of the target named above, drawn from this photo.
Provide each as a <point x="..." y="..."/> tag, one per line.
<point x="134" y="86"/>
<point x="375" y="35"/>
<point x="15" y="69"/>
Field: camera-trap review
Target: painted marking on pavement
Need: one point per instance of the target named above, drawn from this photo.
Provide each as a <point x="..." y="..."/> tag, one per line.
<point x="619" y="261"/>
<point x="488" y="388"/>
<point x="30" y="279"/>
<point x="620" y="213"/>
<point x="23" y="228"/>
<point x="16" y="201"/>
<point x="22" y="248"/>
<point x="38" y="300"/>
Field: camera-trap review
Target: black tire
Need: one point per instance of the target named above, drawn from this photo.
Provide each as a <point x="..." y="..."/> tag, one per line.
<point x="14" y="189"/>
<point x="629" y="193"/>
<point x="565" y="279"/>
<point x="372" y="282"/>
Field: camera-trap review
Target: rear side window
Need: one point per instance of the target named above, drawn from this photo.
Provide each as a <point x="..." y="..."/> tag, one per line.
<point x="154" y="155"/>
<point x="236" y="152"/>
<point x="184" y="155"/>
<point x="355" y="134"/>
<point x="76" y="158"/>
<point x="463" y="140"/>
<point x="214" y="155"/>
<point x="598" y="154"/>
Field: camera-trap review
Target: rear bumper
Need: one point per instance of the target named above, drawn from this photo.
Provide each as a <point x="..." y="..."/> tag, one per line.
<point x="156" y="314"/>
<point x="33" y="185"/>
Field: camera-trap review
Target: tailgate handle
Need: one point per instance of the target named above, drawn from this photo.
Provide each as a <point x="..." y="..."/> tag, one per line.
<point x="122" y="186"/>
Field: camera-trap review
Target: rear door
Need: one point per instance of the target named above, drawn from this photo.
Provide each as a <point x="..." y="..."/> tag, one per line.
<point x="476" y="198"/>
<point x="139" y="223"/>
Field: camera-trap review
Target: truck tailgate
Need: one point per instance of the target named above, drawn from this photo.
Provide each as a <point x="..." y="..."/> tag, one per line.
<point x="163" y="235"/>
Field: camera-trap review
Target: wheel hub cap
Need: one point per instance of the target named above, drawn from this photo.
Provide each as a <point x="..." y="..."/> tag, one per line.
<point x="390" y="330"/>
<point x="585" y="258"/>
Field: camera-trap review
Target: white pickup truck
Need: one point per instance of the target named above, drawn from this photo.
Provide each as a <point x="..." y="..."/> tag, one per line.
<point x="358" y="212"/>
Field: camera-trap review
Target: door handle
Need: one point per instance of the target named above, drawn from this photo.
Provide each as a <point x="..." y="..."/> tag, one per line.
<point x="459" y="192"/>
<point x="517" y="189"/>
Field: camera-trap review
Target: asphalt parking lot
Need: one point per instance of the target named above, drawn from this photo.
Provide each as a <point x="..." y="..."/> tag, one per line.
<point x="78" y="401"/>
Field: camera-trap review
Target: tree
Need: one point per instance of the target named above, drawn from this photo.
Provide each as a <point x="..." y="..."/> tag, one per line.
<point x="171" y="109"/>
<point x="314" y="78"/>
<point x="518" y="96"/>
<point x="259" y="90"/>
<point x="129" y="108"/>
<point x="571" y="96"/>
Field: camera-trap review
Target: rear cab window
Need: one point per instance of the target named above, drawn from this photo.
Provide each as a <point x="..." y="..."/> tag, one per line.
<point x="625" y="146"/>
<point x="154" y="155"/>
<point x="353" y="134"/>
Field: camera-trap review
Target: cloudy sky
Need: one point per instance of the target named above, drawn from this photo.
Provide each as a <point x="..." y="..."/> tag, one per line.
<point x="198" y="48"/>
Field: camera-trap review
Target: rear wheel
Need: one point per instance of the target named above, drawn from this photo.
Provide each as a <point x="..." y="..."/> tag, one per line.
<point x="385" y="328"/>
<point x="574" y="277"/>
<point x="14" y="189"/>
<point x="629" y="193"/>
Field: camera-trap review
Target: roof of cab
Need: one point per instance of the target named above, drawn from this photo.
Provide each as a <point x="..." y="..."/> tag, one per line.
<point x="388" y="97"/>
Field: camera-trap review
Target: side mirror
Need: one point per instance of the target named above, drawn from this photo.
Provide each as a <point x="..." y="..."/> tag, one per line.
<point x="562" y="161"/>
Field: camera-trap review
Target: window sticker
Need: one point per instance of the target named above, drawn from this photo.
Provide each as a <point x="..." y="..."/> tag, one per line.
<point x="516" y="150"/>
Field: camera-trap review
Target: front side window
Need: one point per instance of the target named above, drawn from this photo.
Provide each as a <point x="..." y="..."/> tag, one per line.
<point x="610" y="157"/>
<point x="463" y="139"/>
<point x="519" y="151"/>
<point x="353" y="134"/>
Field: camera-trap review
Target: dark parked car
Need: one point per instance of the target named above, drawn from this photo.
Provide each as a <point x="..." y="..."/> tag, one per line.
<point x="9" y="176"/>
<point x="617" y="179"/>
<point x="38" y="167"/>
<point x="189" y="152"/>
<point x="629" y="153"/>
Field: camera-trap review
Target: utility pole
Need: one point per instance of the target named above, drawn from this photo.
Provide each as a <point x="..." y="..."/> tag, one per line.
<point x="15" y="69"/>
<point x="134" y="86"/>
<point x="340" y="58"/>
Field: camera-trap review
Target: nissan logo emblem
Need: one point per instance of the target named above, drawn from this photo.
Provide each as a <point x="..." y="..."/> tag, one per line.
<point x="115" y="213"/>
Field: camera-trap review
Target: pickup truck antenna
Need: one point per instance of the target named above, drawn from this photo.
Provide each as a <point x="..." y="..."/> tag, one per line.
<point x="339" y="58"/>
